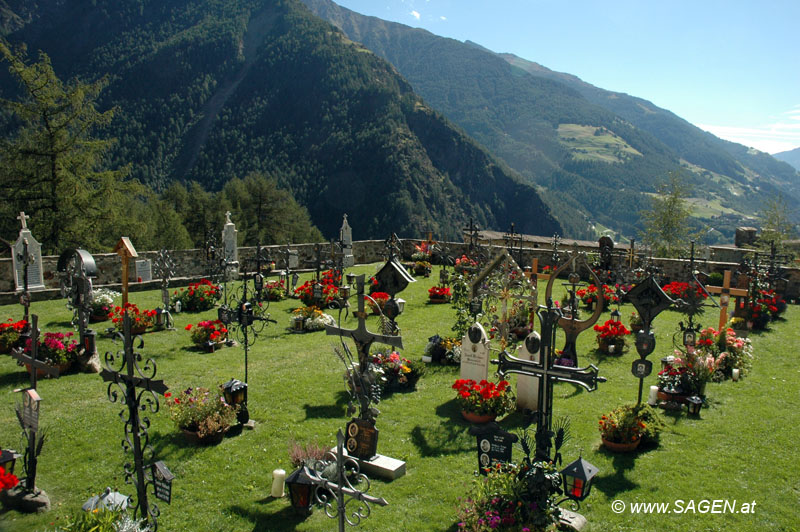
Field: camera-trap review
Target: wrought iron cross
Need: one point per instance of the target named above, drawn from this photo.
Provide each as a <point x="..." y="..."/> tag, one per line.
<point x="25" y="258"/>
<point x="547" y="373"/>
<point x="472" y="236"/>
<point x="128" y="384"/>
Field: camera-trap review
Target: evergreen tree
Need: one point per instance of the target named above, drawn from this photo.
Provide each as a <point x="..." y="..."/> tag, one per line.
<point x="50" y="165"/>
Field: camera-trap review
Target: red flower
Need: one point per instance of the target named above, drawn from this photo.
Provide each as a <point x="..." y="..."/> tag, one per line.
<point x="188" y="327"/>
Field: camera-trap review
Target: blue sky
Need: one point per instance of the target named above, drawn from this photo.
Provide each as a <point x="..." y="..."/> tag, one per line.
<point x="730" y="67"/>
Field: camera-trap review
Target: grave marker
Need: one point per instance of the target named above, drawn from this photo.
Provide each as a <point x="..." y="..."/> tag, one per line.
<point x="475" y="354"/>
<point x="144" y="270"/>
<point x="527" y="386"/>
<point x="27" y="260"/>
<point x="725" y="292"/>
<point x="494" y="445"/>
<point x="126" y="251"/>
<point x="230" y="245"/>
<point x="346" y="239"/>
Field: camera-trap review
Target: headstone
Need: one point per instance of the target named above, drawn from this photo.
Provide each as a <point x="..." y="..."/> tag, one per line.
<point x="33" y="258"/>
<point x="229" y="243"/>
<point x="144" y="270"/>
<point x="346" y="238"/>
<point x="527" y="386"/>
<point x="494" y="445"/>
<point x="362" y="438"/>
<point x="475" y="354"/>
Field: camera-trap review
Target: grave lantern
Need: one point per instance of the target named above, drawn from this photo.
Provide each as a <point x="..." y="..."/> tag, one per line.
<point x="615" y="315"/>
<point x="578" y="479"/>
<point x="669" y="359"/>
<point x="475" y="306"/>
<point x="8" y="459"/>
<point x="391" y="309"/>
<point x="693" y="405"/>
<point x="401" y="305"/>
<point x="351" y="278"/>
<point x="300" y="490"/>
<point x="258" y="282"/>
<point x="235" y="393"/>
<point x="344" y="291"/>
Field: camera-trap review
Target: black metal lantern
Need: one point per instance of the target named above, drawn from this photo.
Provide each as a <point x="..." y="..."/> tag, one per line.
<point x="301" y="490"/>
<point x="235" y="393"/>
<point x="351" y="278"/>
<point x="693" y="405"/>
<point x="8" y="459"/>
<point x="577" y="478"/>
<point x="344" y="292"/>
<point x="669" y="359"/>
<point x="225" y="315"/>
<point x="391" y="309"/>
<point x="258" y="282"/>
<point x="615" y="315"/>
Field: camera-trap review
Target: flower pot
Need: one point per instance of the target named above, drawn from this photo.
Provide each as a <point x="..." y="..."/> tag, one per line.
<point x="138" y="330"/>
<point x="94" y="318"/>
<point x="209" y="439"/>
<point x="478" y="418"/>
<point x="620" y="447"/>
<point x="611" y="346"/>
<point x="672" y="397"/>
<point x="438" y="300"/>
<point x="62" y="368"/>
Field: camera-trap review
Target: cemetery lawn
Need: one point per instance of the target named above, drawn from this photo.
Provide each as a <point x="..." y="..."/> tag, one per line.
<point x="741" y="450"/>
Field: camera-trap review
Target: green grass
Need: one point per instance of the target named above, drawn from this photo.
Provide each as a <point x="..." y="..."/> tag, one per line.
<point x="591" y="143"/>
<point x="742" y="447"/>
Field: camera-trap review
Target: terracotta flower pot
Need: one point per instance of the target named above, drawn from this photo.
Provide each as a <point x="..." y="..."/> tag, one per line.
<point x="438" y="300"/>
<point x="673" y="397"/>
<point x="210" y="439"/>
<point x="620" y="447"/>
<point x="478" y="418"/>
<point x="62" y="368"/>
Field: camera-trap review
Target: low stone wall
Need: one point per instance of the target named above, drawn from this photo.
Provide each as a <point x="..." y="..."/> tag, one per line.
<point x="190" y="264"/>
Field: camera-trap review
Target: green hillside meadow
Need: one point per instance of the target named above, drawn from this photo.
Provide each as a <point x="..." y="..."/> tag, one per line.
<point x="740" y="450"/>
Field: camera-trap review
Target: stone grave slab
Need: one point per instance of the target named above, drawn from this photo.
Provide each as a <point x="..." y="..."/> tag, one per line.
<point x="475" y="354"/>
<point x="527" y="386"/>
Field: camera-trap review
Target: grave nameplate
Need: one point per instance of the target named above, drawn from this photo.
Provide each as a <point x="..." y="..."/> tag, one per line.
<point x="162" y="481"/>
<point x="144" y="270"/>
<point x="475" y="354"/>
<point x="30" y="408"/>
<point x="494" y="445"/>
<point x="362" y="438"/>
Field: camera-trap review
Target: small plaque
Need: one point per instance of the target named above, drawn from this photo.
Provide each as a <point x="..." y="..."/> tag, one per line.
<point x="30" y="408"/>
<point x="162" y="481"/>
<point x="144" y="270"/>
<point x="362" y="439"/>
<point x="494" y="445"/>
<point x="641" y="368"/>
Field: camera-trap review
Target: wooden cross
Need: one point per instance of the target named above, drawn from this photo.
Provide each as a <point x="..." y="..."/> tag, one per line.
<point x="134" y="382"/>
<point x="725" y="292"/>
<point x="360" y="335"/>
<point x="126" y="251"/>
<point x="547" y="373"/>
<point x="32" y="359"/>
<point x="23" y="219"/>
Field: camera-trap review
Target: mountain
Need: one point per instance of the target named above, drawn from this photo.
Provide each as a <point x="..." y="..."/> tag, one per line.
<point x="587" y="149"/>
<point x="792" y="157"/>
<point x="208" y="90"/>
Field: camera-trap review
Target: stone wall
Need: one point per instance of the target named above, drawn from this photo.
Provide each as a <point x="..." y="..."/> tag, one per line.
<point x="191" y="264"/>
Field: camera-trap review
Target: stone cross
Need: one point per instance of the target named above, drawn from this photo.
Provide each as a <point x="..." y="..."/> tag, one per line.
<point x="229" y="244"/>
<point x="547" y="373"/>
<point x="23" y="218"/>
<point x="725" y="292"/>
<point x="346" y="240"/>
<point x="134" y="383"/>
<point x="26" y="257"/>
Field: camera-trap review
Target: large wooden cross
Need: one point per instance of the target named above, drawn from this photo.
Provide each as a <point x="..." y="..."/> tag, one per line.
<point x="134" y="382"/>
<point x="725" y="292"/>
<point x="126" y="251"/>
<point x="360" y="335"/>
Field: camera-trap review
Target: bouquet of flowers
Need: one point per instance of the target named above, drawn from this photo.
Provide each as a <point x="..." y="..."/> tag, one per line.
<point x="275" y="290"/>
<point x="312" y="319"/>
<point x="465" y="265"/>
<point x="9" y="334"/>
<point x="208" y="332"/>
<point x="484" y="398"/>
<point x="439" y="293"/>
<point x="197" y="297"/>
<point x="442" y="350"/>
<point x="380" y="300"/>
<point x="591" y="294"/>
<point x="397" y="372"/>
<point x="611" y="333"/>
<point x="330" y="288"/>
<point x="422" y="252"/>
<point x="103" y="301"/>
<point x="140" y="319"/>
<point x="56" y="348"/>
<point x="198" y="410"/>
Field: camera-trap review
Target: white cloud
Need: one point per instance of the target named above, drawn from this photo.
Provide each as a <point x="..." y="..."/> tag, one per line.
<point x="781" y="135"/>
<point x="415" y="14"/>
<point x="443" y="17"/>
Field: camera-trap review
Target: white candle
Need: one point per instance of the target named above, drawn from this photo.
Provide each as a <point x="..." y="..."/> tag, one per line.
<point x="278" y="478"/>
<point x="735" y="374"/>
<point x="652" y="399"/>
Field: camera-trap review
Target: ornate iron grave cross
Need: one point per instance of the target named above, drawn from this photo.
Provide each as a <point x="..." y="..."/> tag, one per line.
<point x="571" y="324"/>
<point x="164" y="267"/>
<point x="513" y="243"/>
<point x="472" y="238"/>
<point x="137" y="388"/>
<point x="28" y="415"/>
<point x="548" y="374"/>
<point x="649" y="300"/>
<point x="363" y="436"/>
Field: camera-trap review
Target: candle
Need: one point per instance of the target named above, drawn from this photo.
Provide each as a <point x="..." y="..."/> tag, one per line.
<point x="652" y="400"/>
<point x="278" y="478"/>
<point x="735" y="374"/>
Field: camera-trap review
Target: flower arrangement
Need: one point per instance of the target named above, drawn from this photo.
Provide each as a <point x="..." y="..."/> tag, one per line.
<point x="442" y="350"/>
<point x="465" y="265"/>
<point x="484" y="398"/>
<point x="591" y="294"/>
<point x="422" y="267"/>
<point x="691" y="294"/>
<point x="312" y="319"/>
<point x="775" y="303"/>
<point x="675" y="378"/>
<point x="275" y="290"/>
<point x="9" y="334"/>
<point x="439" y="294"/>
<point x="56" y="348"/>
<point x="140" y="319"/>
<point x="201" y="411"/>
<point x="380" y="300"/>
<point x="102" y="302"/>
<point x="422" y="252"/>
<point x="7" y="480"/>
<point x="630" y="423"/>
<point x="729" y="350"/>
<point x="208" y="333"/>
<point x="636" y="323"/>
<point x="396" y="372"/>
<point x="197" y="297"/>
<point x="330" y="288"/>
<point x="611" y="333"/>
<point x="688" y="373"/>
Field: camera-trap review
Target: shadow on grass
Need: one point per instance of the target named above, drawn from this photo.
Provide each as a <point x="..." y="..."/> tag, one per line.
<point x="324" y="411"/>
<point x="16" y="378"/>
<point x="285" y="519"/>
<point x="174" y="445"/>
<point x="445" y="439"/>
<point x="616" y="483"/>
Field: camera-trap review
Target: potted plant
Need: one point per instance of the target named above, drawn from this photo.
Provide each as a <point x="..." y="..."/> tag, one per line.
<point x="309" y="319"/>
<point x="208" y="334"/>
<point x="636" y="323"/>
<point x="422" y="267"/>
<point x="397" y="372"/>
<point x="440" y="350"/>
<point x="203" y="416"/>
<point x="197" y="297"/>
<point x="465" y="265"/>
<point x="141" y="320"/>
<point x="483" y="401"/>
<point x="9" y="334"/>
<point x="275" y="290"/>
<point x="380" y="299"/>
<point x="57" y="349"/>
<point x="330" y="289"/>
<point x="102" y="303"/>
<point x="439" y="294"/>
<point x="691" y="294"/>
<point x="611" y="336"/>
<point x="621" y="429"/>
<point x="422" y="252"/>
